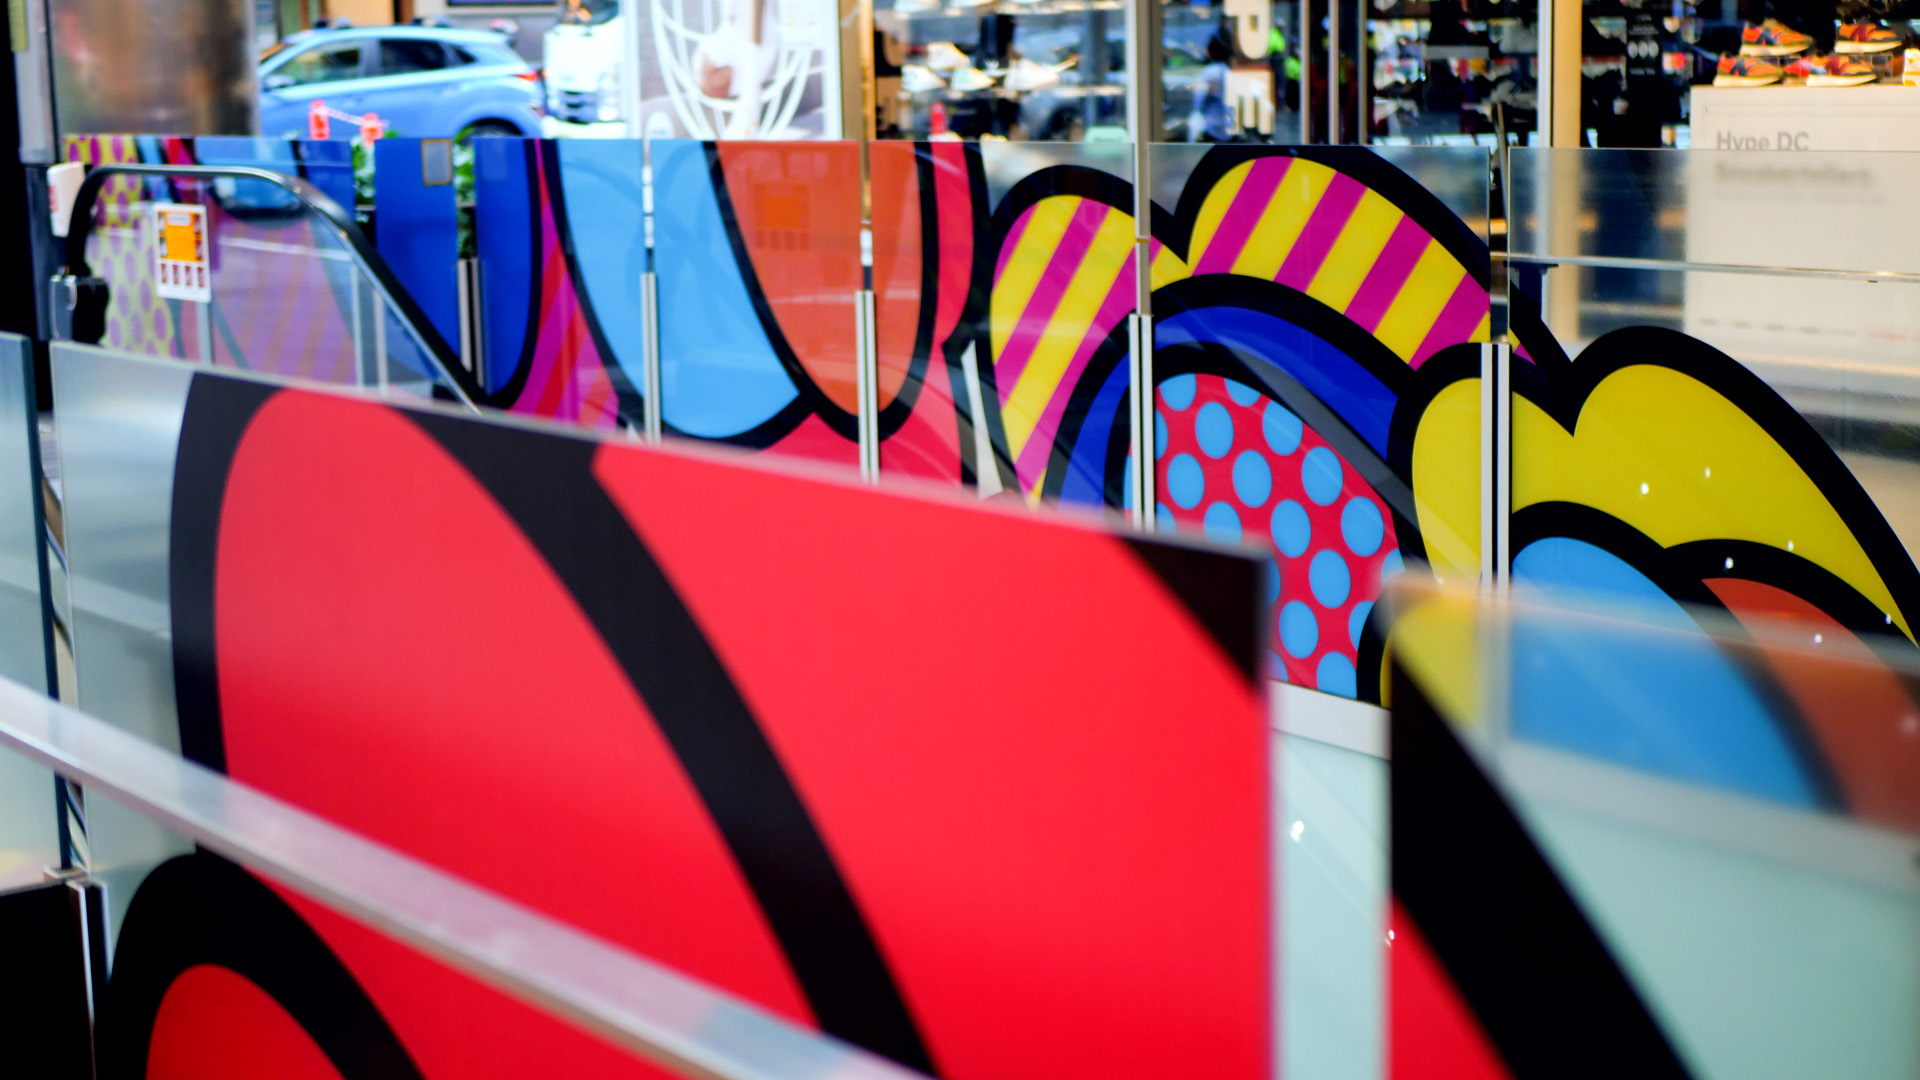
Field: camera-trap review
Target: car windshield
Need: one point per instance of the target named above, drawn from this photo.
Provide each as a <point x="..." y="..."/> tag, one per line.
<point x="274" y="50"/>
<point x="588" y="12"/>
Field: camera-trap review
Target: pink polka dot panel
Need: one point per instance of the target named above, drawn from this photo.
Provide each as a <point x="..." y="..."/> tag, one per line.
<point x="1236" y="466"/>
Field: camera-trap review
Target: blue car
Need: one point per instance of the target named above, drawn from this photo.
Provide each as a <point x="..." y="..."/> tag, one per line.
<point x="423" y="82"/>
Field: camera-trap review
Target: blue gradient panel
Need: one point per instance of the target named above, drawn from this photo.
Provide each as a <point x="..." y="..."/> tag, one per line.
<point x="505" y="238"/>
<point x="1339" y="381"/>
<point x="719" y="374"/>
<point x="606" y="227"/>
<point x="1667" y="703"/>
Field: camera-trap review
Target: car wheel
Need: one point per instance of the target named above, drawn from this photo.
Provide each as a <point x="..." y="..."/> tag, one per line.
<point x="488" y="129"/>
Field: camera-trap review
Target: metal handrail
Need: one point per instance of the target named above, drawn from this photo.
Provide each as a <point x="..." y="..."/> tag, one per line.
<point x="323" y="207"/>
<point x="675" y="1021"/>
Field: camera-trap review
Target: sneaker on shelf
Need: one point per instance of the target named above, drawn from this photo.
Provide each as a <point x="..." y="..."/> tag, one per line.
<point x="1842" y="71"/>
<point x="1746" y="71"/>
<point x="1864" y="37"/>
<point x="945" y="56"/>
<point x="919" y="79"/>
<point x="1803" y="66"/>
<point x="970" y="78"/>
<point x="1026" y="75"/>
<point x="1772" y="38"/>
<point x="915" y="7"/>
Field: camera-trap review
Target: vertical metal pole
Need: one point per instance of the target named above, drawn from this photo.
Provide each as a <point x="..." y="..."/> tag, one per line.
<point x="1305" y="42"/>
<point x="1489" y="527"/>
<point x="650" y="404"/>
<point x="1502" y="466"/>
<point x="1333" y="72"/>
<point x="360" y="372"/>
<point x="1143" y="57"/>
<point x="1363" y="86"/>
<point x="867" y="368"/>
<point x="380" y="343"/>
<point x="203" y="325"/>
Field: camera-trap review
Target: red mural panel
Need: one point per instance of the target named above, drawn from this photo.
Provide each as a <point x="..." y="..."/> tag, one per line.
<point x="1000" y="828"/>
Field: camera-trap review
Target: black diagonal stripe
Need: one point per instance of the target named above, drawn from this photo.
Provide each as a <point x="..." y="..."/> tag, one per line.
<point x="546" y="483"/>
<point x="1535" y="972"/>
<point x="218" y="410"/>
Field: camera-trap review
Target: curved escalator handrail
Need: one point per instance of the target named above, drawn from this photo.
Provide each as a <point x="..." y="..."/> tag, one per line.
<point x="323" y="207"/>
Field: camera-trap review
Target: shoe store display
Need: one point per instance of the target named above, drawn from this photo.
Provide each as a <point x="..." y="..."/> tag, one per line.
<point x="1772" y="38"/>
<point x="919" y="79"/>
<point x="1746" y="71"/>
<point x="945" y="56"/>
<point x="970" y="78"/>
<point x="1841" y="71"/>
<point x="1026" y="75"/>
<point x="1864" y="37"/>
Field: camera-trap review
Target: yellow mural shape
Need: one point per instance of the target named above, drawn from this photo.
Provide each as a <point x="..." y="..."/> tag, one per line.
<point x="1446" y="481"/>
<point x="1671" y="457"/>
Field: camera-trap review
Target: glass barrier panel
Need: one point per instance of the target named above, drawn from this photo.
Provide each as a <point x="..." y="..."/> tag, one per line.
<point x="1725" y="798"/>
<point x="757" y="255"/>
<point x="329" y="948"/>
<point x="1727" y="381"/>
<point x="315" y="707"/>
<point x="559" y="231"/>
<point x="29" y="822"/>
<point x="1057" y="258"/>
<point x="1308" y="302"/>
<point x="932" y="424"/>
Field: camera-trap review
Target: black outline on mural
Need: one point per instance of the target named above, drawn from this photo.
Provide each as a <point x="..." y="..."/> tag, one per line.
<point x="516" y="383"/>
<point x="710" y="728"/>
<point x="1563" y="396"/>
<point x="842" y="422"/>
<point x="1502" y="925"/>
<point x="546" y="485"/>
<point x="627" y="399"/>
<point x="1586" y="525"/>
<point x="196" y="910"/>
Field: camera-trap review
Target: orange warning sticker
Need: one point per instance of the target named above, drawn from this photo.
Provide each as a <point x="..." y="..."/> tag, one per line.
<point x="181" y="268"/>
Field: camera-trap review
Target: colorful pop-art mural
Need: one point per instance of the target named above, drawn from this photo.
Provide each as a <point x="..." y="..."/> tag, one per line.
<point x="949" y="895"/>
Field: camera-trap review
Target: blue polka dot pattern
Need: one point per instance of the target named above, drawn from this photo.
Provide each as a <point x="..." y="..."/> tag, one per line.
<point x="1392" y="565"/>
<point x="1163" y="519"/>
<point x="1361" y="527"/>
<point x="1214" y="430"/>
<point x="1328" y="577"/>
<point x="1252" y="478"/>
<point x="1292" y="532"/>
<point x="1281" y="428"/>
<point x="1126" y="489"/>
<point x="1289" y="491"/>
<point x="1321" y="476"/>
<point x="1336" y="675"/>
<point x="1299" y="630"/>
<point x="1186" y="484"/>
<point x="1222" y="524"/>
<point x="1177" y="392"/>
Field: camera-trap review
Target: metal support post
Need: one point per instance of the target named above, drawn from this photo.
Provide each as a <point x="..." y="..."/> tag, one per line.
<point x="1333" y="72"/>
<point x="1496" y="467"/>
<point x="867" y="367"/>
<point x="1143" y="70"/>
<point x="1304" y="42"/>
